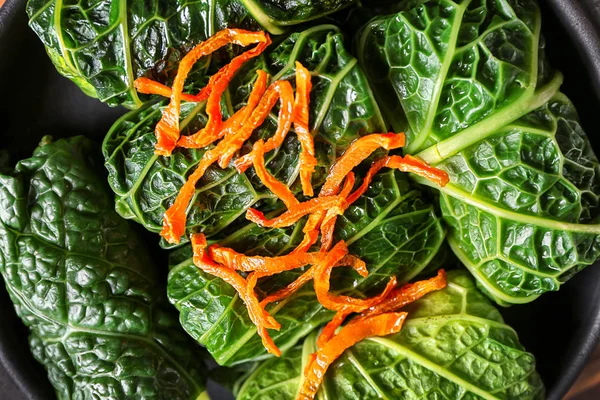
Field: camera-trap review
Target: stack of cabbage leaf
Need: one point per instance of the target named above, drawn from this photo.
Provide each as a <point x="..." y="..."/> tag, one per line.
<point x="82" y="282"/>
<point x="481" y="102"/>
<point x="391" y="227"/>
<point x="454" y="345"/>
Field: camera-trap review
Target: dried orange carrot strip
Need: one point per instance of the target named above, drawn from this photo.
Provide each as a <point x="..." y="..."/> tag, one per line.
<point x="149" y="86"/>
<point x="358" y="151"/>
<point x="328" y="223"/>
<point x="407" y="294"/>
<point x="283" y="91"/>
<point x="293" y="214"/>
<point x="278" y="90"/>
<point x="279" y="189"/>
<point x="174" y="219"/>
<point x="416" y="166"/>
<point x="329" y="330"/>
<point x="375" y="168"/>
<point x="289" y="289"/>
<point x="352" y="261"/>
<point x="241" y="262"/>
<point x="208" y="135"/>
<point x="167" y="129"/>
<point x="257" y="314"/>
<point x="308" y="161"/>
<point x="354" y="332"/>
<point x="322" y="276"/>
<point x="210" y="132"/>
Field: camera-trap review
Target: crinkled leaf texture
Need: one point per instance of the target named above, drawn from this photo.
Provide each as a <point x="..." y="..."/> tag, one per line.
<point x="391" y="227"/>
<point x="342" y="109"/>
<point x="481" y="103"/>
<point x="82" y="282"/>
<point x="104" y="46"/>
<point x="454" y="345"/>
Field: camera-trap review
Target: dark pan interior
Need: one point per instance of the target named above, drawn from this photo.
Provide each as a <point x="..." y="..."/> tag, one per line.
<point x="560" y="328"/>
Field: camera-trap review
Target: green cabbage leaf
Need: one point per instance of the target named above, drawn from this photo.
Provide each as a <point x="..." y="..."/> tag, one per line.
<point x="481" y="102"/>
<point x="82" y="281"/>
<point x="454" y="345"/>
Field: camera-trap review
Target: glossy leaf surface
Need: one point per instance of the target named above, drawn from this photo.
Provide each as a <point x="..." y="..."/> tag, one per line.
<point x="454" y="345"/>
<point x="82" y="282"/>
<point x="481" y="102"/>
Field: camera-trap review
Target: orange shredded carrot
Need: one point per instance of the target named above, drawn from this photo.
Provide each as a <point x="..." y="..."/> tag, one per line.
<point x="277" y="90"/>
<point x="308" y="161"/>
<point x="352" y="261"/>
<point x="241" y="262"/>
<point x="321" y="279"/>
<point x="279" y="189"/>
<point x="174" y="219"/>
<point x="289" y="289"/>
<point x="358" y="151"/>
<point x="215" y="128"/>
<point x="329" y="330"/>
<point x="149" y="86"/>
<point x="407" y="294"/>
<point x="328" y="223"/>
<point x="354" y="332"/>
<point x="259" y="316"/>
<point x="283" y="91"/>
<point x="295" y="213"/>
<point x="210" y="132"/>
<point x="167" y="129"/>
<point x="416" y="166"/>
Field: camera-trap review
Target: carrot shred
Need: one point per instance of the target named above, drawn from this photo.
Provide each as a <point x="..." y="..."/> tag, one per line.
<point x="174" y="219"/>
<point x="279" y="189"/>
<point x="407" y="294"/>
<point x="342" y="303"/>
<point x="283" y="91"/>
<point x="215" y="128"/>
<point x="308" y="161"/>
<point x="259" y="316"/>
<point x="268" y="265"/>
<point x="149" y="86"/>
<point x="354" y="332"/>
<point x="358" y="151"/>
<point x="167" y="129"/>
<point x="210" y="132"/>
<point x="328" y="223"/>
<point x="295" y="213"/>
<point x="352" y="261"/>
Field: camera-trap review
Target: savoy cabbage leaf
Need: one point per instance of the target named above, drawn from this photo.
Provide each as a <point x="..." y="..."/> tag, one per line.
<point x="482" y="103"/>
<point x="390" y="228"/>
<point x="103" y="46"/>
<point x="342" y="109"/>
<point x="82" y="282"/>
<point x="454" y="345"/>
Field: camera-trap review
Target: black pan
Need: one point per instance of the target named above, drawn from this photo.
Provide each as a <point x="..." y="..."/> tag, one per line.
<point x="561" y="328"/>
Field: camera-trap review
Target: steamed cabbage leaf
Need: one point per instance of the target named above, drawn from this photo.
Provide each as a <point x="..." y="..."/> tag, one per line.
<point x="454" y="345"/>
<point x="481" y="102"/>
<point x="390" y="228"/>
<point x="104" y="46"/>
<point x="82" y="281"/>
<point x="342" y="109"/>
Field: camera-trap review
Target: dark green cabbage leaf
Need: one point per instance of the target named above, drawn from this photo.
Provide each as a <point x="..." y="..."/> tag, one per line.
<point x="342" y="109"/>
<point x="482" y="103"/>
<point x="454" y="345"/>
<point x="104" y="46"/>
<point x="82" y="282"/>
<point x="390" y="228"/>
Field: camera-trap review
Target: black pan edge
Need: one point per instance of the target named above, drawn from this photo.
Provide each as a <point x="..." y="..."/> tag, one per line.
<point x="579" y="18"/>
